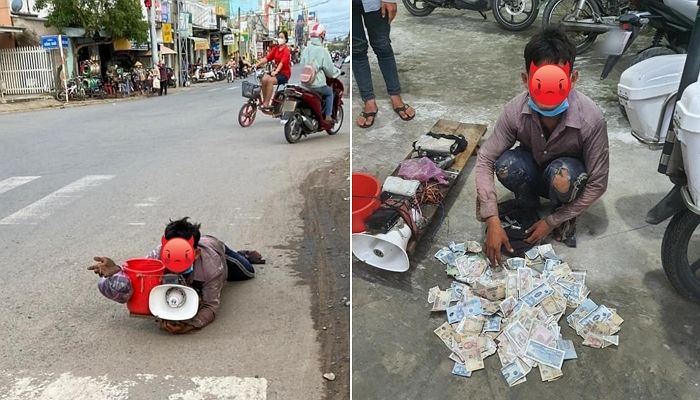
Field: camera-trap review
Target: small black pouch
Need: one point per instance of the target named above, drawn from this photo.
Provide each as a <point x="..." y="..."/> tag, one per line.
<point x="382" y="220"/>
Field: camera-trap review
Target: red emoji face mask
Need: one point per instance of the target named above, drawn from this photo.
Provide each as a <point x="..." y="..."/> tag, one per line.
<point x="549" y="84"/>
<point x="177" y="254"/>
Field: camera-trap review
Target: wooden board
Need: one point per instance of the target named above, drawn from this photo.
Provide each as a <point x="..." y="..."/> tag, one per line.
<point x="473" y="133"/>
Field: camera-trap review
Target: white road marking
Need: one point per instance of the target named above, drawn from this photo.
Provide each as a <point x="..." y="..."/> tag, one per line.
<point x="136" y="223"/>
<point x="148" y="202"/>
<point x="69" y="386"/>
<point x="233" y="88"/>
<point x="213" y="90"/>
<point x="15" y="181"/>
<point x="43" y="208"/>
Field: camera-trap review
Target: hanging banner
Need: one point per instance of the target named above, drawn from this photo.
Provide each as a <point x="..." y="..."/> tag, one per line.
<point x="167" y="33"/>
<point x="158" y="11"/>
<point x="229" y="39"/>
<point x="165" y="11"/>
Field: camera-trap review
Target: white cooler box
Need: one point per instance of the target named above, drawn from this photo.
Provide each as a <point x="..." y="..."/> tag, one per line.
<point x="687" y="123"/>
<point x="643" y="89"/>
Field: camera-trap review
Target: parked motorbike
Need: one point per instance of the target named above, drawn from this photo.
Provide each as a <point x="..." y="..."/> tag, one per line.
<point x="673" y="21"/>
<point x="586" y="19"/>
<point x="504" y="11"/>
<point x="202" y="74"/>
<point x="303" y="110"/>
<point x="680" y="161"/>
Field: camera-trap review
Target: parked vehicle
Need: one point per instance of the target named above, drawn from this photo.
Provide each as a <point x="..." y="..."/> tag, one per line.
<point x="680" y="248"/>
<point x="512" y="15"/>
<point x="586" y="19"/>
<point x="75" y="89"/>
<point x="673" y="22"/>
<point x="202" y="74"/>
<point x="303" y="110"/>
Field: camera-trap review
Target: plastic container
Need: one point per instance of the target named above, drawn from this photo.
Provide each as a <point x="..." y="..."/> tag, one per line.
<point x="643" y="89"/>
<point x="687" y="123"/>
<point x="144" y="274"/>
<point x="365" y="199"/>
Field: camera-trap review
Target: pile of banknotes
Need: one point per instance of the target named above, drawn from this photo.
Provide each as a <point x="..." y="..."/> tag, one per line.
<point x="515" y="312"/>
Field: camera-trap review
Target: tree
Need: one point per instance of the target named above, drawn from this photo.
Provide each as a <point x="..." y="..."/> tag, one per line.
<point x="120" y="18"/>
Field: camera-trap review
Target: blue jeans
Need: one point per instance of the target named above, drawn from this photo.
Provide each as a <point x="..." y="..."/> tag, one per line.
<point x="378" y="30"/>
<point x="239" y="268"/>
<point x="561" y="181"/>
<point x="327" y="95"/>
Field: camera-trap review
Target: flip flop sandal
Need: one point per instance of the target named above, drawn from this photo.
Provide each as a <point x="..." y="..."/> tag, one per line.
<point x="366" y="115"/>
<point x="399" y="110"/>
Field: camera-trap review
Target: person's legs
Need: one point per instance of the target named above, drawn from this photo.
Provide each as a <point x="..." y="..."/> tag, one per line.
<point x="517" y="170"/>
<point x="165" y="90"/>
<point x="239" y="268"/>
<point x="327" y="95"/>
<point x="379" y="32"/>
<point x="267" y="88"/>
<point x="360" y="65"/>
<point x="565" y="179"/>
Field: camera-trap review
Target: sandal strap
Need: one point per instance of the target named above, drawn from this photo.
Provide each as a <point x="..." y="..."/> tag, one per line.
<point x="403" y="108"/>
<point x="368" y="114"/>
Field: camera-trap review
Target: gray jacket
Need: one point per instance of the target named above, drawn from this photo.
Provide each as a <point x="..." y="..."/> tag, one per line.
<point x="374" y="5"/>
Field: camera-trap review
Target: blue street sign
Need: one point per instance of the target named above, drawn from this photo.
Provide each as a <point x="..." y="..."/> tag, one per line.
<point x="51" y="41"/>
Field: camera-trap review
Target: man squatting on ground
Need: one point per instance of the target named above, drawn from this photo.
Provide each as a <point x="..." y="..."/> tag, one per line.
<point x="562" y="156"/>
<point x="214" y="264"/>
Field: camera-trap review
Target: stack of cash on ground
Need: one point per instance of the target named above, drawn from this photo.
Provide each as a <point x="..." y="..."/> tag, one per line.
<point x="515" y="312"/>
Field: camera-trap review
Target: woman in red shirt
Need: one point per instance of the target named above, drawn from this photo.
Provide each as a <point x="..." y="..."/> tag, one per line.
<point x="281" y="55"/>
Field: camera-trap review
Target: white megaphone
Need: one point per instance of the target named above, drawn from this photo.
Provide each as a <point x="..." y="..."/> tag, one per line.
<point x="173" y="302"/>
<point x="385" y="250"/>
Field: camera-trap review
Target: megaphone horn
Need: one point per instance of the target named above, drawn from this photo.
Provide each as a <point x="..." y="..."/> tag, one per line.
<point x="385" y="250"/>
<point x="173" y="302"/>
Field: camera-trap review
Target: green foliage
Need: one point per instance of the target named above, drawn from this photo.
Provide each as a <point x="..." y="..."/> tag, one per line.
<point x="121" y="18"/>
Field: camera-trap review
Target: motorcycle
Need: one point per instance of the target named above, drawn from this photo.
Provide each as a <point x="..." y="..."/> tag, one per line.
<point x="672" y="20"/>
<point x="679" y="160"/>
<point x="303" y="110"/>
<point x="203" y="74"/>
<point x="584" y="20"/>
<point x="252" y="91"/>
<point x="504" y="11"/>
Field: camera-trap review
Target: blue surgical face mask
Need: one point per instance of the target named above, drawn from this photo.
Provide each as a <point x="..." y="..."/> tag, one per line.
<point x="548" y="113"/>
<point x="188" y="270"/>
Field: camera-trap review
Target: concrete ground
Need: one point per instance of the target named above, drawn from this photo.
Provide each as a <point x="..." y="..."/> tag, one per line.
<point x="104" y="180"/>
<point x="454" y="65"/>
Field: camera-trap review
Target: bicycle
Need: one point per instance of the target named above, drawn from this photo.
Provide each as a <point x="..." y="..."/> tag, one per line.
<point x="75" y="89"/>
<point x="252" y="91"/>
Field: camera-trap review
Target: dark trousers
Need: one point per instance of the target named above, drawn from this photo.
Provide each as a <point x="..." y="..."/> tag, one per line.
<point x="378" y="30"/>
<point x="561" y="181"/>
<point x="239" y="268"/>
<point x="163" y="87"/>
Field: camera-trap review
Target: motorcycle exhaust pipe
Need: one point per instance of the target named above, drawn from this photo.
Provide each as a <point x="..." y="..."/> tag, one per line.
<point x="309" y="123"/>
<point x="587" y="27"/>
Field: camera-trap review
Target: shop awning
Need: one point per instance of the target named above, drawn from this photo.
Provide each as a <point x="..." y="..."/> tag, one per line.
<point x="200" y="43"/>
<point x="10" y="29"/>
<point x="164" y="50"/>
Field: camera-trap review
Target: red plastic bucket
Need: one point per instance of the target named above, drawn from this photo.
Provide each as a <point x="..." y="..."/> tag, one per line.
<point x="144" y="274"/>
<point x="365" y="199"/>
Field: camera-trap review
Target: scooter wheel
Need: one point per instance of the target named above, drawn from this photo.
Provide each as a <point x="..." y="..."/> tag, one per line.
<point x="246" y="116"/>
<point x="293" y="129"/>
<point x="338" y="122"/>
<point x="683" y="273"/>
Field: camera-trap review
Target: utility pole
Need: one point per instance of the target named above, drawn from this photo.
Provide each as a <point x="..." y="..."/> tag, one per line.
<point x="240" y="35"/>
<point x="154" y="40"/>
<point x="176" y="24"/>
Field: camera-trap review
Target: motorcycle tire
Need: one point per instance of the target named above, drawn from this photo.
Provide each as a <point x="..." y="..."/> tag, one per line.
<point x="246" y="116"/>
<point x="651" y="52"/>
<point x="293" y="129"/>
<point x="338" y="122"/>
<point x="584" y="43"/>
<point x="416" y="11"/>
<point x="510" y="26"/>
<point x="674" y="255"/>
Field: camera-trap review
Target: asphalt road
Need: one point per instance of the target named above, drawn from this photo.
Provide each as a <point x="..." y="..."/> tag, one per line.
<point x="104" y="180"/>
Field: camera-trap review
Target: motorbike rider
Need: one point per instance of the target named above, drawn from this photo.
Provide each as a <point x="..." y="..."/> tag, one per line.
<point x="279" y="54"/>
<point x="212" y="265"/>
<point x="563" y="152"/>
<point x="316" y="55"/>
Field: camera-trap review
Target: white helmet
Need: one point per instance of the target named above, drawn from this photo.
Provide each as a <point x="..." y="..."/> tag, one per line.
<point x="317" y="30"/>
